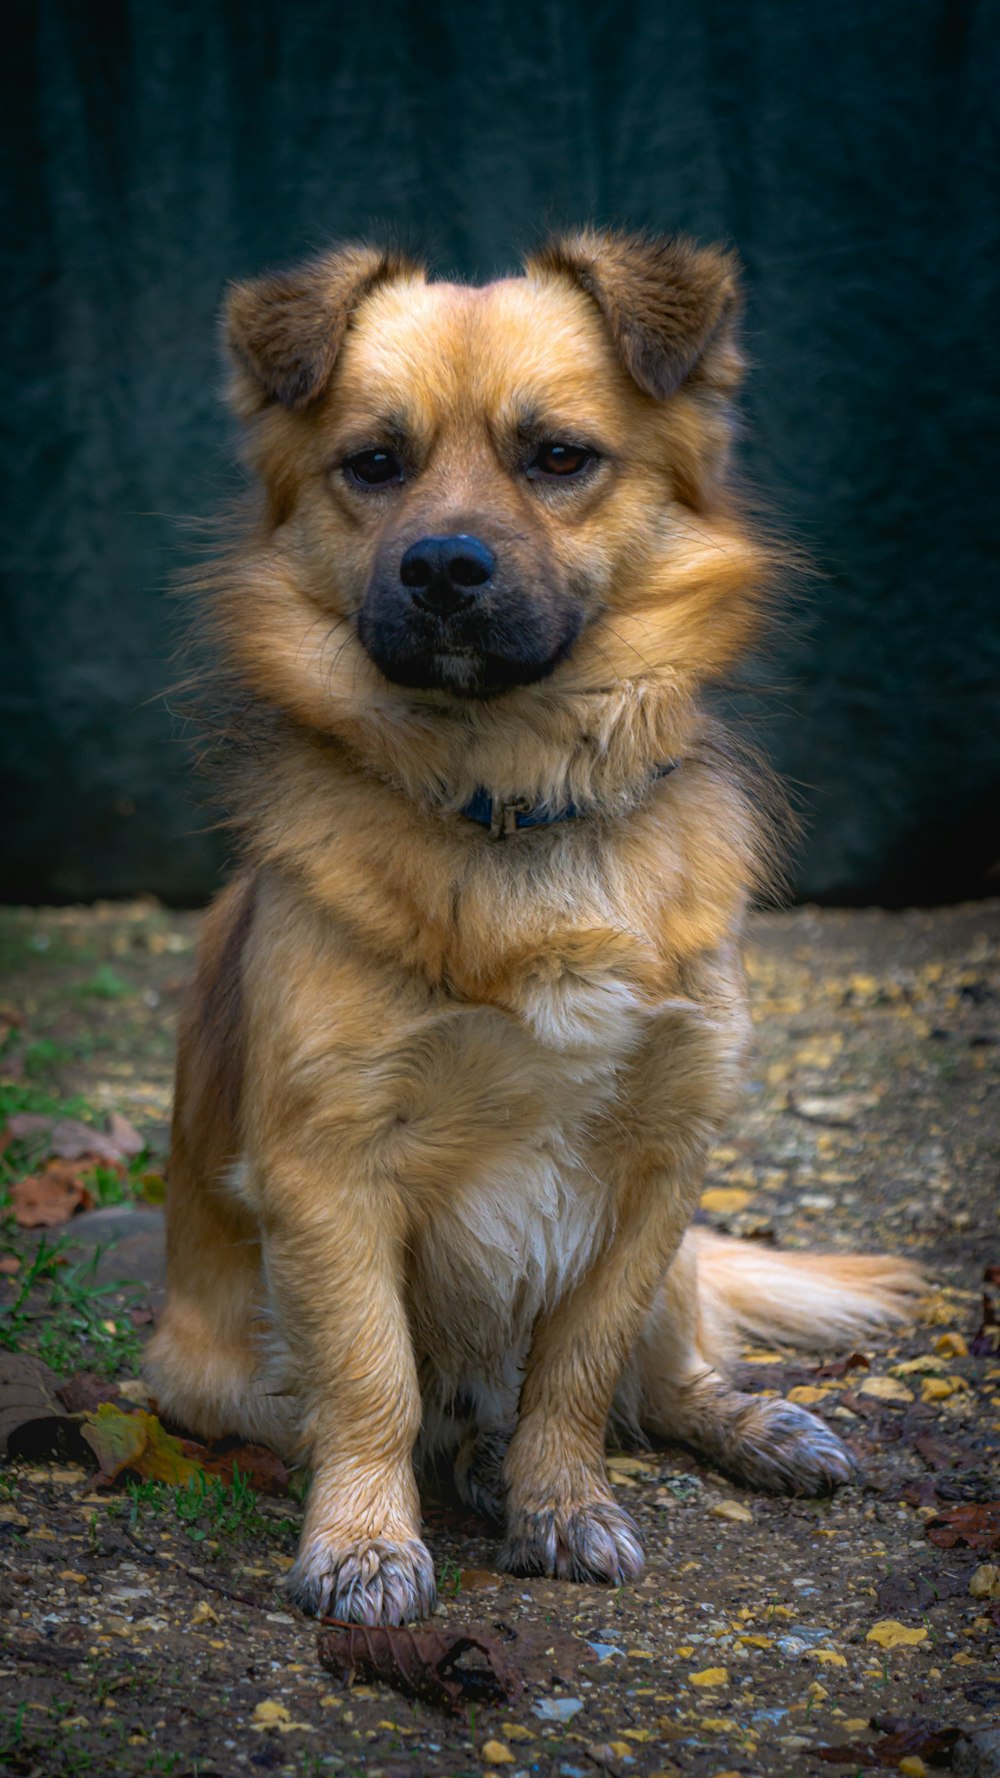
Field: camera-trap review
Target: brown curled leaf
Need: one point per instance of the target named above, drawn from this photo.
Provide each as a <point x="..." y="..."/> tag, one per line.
<point x="839" y="1367"/>
<point x="421" y="1663"/>
<point x="976" y="1525"/>
<point x="46" y="1199"/>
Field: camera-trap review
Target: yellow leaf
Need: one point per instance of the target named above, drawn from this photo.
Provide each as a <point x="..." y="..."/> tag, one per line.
<point x="756" y="1641"/>
<point x="632" y="1465"/>
<point x="940" y="1388"/>
<point x="712" y="1676"/>
<point x="516" y="1731"/>
<point x="926" y="1362"/>
<point x="890" y="1633"/>
<point x="269" y="1714"/>
<point x="726" y="1200"/>
<point x="269" y="1711"/>
<point x="952" y="1345"/>
<point x="829" y="1657"/>
<point x="732" y="1509"/>
<point x="912" y="1766"/>
<point x="886" y="1389"/>
<point x="496" y="1754"/>
<point x="806" y="1394"/>
<point x="136" y="1441"/>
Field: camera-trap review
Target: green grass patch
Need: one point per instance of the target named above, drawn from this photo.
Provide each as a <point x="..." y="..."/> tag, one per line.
<point x="205" y="1508"/>
<point x="63" y="1315"/>
<point x="104" y="984"/>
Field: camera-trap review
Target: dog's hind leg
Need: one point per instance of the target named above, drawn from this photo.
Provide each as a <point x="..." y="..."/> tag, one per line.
<point x="714" y="1288"/>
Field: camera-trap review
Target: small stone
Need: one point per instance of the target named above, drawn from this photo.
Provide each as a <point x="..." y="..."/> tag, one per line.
<point x="557" y="1709"/>
<point x="841" y="1109"/>
<point x="607" y="1754"/>
<point x="985" y="1582"/>
<point x="496" y="1754"/>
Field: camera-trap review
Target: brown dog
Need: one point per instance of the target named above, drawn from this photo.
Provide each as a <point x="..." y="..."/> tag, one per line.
<point x="469" y="1020"/>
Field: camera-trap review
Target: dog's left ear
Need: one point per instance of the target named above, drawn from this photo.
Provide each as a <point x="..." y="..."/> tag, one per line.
<point x="669" y="305"/>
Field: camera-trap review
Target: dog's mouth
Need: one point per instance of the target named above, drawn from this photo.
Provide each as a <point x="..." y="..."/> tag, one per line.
<point x="475" y="654"/>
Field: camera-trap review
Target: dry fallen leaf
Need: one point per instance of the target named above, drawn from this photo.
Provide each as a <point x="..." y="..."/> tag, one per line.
<point x="732" y="1509"/>
<point x="710" y="1676"/>
<point x="978" y="1526"/>
<point x="136" y="1441"/>
<point x="425" y="1664"/>
<point x="257" y="1464"/>
<point x="890" y="1633"/>
<point x="886" y="1389"/>
<point x="44" y="1200"/>
<point x="72" y="1140"/>
<point x="724" y="1200"/>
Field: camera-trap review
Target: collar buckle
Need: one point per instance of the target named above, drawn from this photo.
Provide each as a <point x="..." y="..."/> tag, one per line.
<point x="503" y="816"/>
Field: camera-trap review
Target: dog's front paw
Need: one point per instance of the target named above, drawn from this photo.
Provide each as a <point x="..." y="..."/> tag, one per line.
<point x="786" y="1450"/>
<point x="375" y="1582"/>
<point x="596" y="1543"/>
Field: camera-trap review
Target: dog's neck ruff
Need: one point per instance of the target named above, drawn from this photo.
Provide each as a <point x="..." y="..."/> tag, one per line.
<point x="503" y="817"/>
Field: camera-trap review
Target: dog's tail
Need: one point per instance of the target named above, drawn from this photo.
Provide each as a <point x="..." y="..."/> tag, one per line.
<point x="817" y="1300"/>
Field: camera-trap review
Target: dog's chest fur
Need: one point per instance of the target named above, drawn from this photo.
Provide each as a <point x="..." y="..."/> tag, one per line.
<point x="523" y="1221"/>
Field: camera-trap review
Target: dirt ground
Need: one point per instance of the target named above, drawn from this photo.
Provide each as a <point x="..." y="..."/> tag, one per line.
<point x="144" y="1627"/>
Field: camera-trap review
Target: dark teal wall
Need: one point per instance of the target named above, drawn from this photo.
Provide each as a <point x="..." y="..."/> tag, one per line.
<point x="160" y="149"/>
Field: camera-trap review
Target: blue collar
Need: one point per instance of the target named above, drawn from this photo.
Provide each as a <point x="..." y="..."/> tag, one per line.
<point x="503" y="818"/>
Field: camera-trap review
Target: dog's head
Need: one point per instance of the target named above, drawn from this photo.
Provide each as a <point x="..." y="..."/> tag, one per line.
<point x="477" y="489"/>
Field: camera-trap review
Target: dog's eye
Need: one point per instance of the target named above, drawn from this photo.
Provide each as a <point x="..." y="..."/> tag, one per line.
<point x="563" y="460"/>
<point x="374" y="469"/>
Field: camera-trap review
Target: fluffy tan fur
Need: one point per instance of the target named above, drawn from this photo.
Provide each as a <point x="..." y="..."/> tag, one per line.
<point x="444" y="1102"/>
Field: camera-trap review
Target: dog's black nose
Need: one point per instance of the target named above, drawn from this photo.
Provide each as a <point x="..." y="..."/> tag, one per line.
<point x="443" y="573"/>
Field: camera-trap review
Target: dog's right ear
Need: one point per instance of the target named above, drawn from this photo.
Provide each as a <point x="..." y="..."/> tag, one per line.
<point x="284" y="330"/>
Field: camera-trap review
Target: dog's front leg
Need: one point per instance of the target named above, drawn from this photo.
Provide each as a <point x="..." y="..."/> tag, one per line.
<point x="562" y="1518"/>
<point x="333" y="1256"/>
